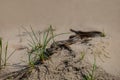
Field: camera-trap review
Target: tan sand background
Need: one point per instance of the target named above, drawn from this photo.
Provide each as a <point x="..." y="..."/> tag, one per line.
<point x="63" y="15"/>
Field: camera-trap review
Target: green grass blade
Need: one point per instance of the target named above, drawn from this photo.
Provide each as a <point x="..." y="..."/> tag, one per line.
<point x="46" y="36"/>
<point x="39" y="37"/>
<point x="6" y="49"/>
<point x="34" y="35"/>
<point x="93" y="70"/>
<point x="29" y="35"/>
<point x="51" y="30"/>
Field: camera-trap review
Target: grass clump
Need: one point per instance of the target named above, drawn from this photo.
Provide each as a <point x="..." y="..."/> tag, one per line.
<point x="91" y="74"/>
<point x="38" y="43"/>
<point x="3" y="62"/>
<point x="4" y="54"/>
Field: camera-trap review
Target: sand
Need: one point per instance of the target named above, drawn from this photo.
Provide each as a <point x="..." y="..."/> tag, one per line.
<point x="63" y="14"/>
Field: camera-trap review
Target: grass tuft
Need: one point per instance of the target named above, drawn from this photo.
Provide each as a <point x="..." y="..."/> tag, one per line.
<point x="4" y="52"/>
<point x="38" y="44"/>
<point x="91" y="74"/>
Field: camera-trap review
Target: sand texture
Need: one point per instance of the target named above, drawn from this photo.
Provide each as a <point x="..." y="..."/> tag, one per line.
<point x="63" y="15"/>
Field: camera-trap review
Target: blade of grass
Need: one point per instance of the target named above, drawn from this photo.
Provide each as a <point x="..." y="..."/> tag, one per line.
<point x="0" y="52"/>
<point x="34" y="34"/>
<point x="90" y="75"/>
<point x="29" y="34"/>
<point x="45" y="36"/>
<point x="6" y="49"/>
<point x="51" y="30"/>
<point x="39" y="34"/>
<point x="94" y="68"/>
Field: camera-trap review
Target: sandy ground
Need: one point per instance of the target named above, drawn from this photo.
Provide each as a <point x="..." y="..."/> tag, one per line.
<point x="63" y="15"/>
